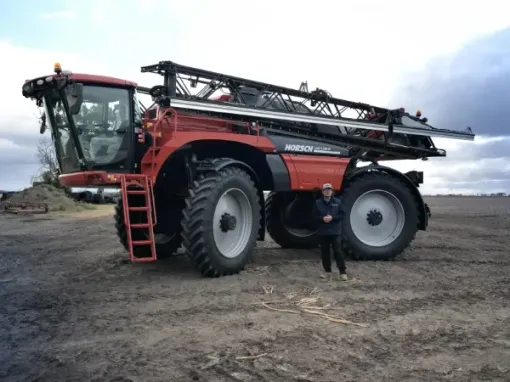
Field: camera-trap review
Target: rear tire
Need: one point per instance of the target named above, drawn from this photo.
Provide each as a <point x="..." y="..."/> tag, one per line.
<point x="381" y="217"/>
<point x="221" y="221"/>
<point x="278" y="228"/>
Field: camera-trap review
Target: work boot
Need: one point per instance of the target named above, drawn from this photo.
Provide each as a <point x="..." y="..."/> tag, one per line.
<point x="327" y="276"/>
<point x="343" y="277"/>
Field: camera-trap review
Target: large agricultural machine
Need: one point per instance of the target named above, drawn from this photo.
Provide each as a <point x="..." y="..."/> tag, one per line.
<point x="193" y="167"/>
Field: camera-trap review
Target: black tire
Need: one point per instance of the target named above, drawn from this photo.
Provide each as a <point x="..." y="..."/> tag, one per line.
<point x="197" y="222"/>
<point x="96" y="199"/>
<point x="87" y="197"/>
<point x="163" y="250"/>
<point x="275" y="204"/>
<point x="355" y="248"/>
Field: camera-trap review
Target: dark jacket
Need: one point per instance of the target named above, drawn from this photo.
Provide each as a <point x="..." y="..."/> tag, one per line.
<point x="335" y="208"/>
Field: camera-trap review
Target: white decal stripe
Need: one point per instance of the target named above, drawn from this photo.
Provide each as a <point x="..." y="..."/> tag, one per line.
<point x="327" y="152"/>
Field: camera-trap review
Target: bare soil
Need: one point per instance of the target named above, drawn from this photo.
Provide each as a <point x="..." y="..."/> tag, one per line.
<point x="71" y="308"/>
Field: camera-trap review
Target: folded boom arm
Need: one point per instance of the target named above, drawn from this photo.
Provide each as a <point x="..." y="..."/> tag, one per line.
<point x="312" y="115"/>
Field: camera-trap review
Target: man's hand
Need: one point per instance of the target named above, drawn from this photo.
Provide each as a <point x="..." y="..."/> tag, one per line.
<point x="327" y="218"/>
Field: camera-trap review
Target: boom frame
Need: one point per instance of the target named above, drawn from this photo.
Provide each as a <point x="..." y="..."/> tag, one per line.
<point x="321" y="108"/>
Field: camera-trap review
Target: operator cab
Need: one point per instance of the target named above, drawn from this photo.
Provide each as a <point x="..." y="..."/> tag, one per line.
<point x="91" y="118"/>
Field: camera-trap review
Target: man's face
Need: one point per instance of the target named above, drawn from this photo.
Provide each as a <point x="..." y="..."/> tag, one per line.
<point x="327" y="192"/>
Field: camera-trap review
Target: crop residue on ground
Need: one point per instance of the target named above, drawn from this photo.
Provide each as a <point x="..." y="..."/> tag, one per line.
<point x="72" y="309"/>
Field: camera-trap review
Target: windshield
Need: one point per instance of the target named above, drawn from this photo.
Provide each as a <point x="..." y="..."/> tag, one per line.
<point x="102" y="125"/>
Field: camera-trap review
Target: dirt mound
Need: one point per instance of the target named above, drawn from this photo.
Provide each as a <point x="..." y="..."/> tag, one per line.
<point x="55" y="198"/>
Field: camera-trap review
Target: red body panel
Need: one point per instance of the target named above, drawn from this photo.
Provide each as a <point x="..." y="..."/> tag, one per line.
<point x="172" y="132"/>
<point x="96" y="79"/>
<point x="222" y="98"/>
<point x="182" y="138"/>
<point x="102" y="80"/>
<point x="309" y="172"/>
<point x="90" y="178"/>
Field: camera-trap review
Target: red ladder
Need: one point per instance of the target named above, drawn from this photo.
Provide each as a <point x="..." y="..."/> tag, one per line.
<point x="144" y="187"/>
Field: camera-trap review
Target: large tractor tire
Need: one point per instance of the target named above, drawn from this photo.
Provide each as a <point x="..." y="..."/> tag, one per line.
<point x="87" y="197"/>
<point x="221" y="221"/>
<point x="166" y="243"/>
<point x="289" y="220"/>
<point x="381" y="217"/>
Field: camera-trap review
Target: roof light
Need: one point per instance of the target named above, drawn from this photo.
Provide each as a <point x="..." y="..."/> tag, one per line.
<point x="57" y="67"/>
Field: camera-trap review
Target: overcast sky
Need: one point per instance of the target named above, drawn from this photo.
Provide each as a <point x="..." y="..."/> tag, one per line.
<point x="455" y="69"/>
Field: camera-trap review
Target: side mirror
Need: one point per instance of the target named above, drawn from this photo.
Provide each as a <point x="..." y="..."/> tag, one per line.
<point x="75" y="97"/>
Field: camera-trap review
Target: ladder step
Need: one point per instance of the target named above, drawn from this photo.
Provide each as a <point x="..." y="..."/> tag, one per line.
<point x="144" y="187"/>
<point x="142" y="242"/>
<point x="143" y="260"/>
<point x="139" y="208"/>
<point x="142" y="225"/>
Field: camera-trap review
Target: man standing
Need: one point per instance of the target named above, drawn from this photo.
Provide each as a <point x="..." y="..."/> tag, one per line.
<point x="329" y="212"/>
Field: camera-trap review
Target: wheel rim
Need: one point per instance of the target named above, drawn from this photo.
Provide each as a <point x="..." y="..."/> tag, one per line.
<point x="377" y="218"/>
<point x="232" y="222"/>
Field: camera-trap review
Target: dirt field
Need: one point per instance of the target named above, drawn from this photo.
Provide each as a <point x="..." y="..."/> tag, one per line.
<point x="72" y="310"/>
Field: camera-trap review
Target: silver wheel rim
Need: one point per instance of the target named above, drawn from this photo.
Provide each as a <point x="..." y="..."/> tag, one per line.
<point x="233" y="209"/>
<point x="377" y="218"/>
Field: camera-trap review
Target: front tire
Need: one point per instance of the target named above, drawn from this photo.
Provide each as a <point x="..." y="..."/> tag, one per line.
<point x="381" y="217"/>
<point x="221" y="221"/>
